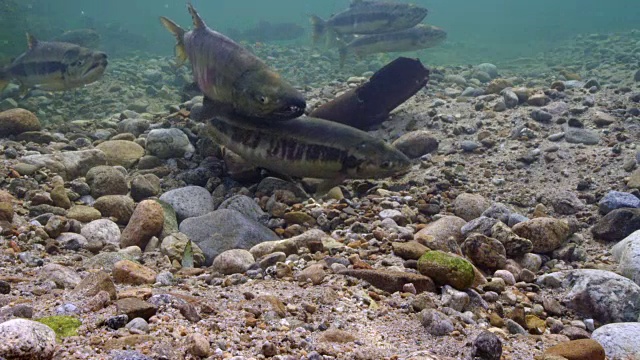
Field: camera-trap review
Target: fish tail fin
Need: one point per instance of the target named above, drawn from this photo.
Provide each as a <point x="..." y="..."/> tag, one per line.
<point x="178" y="32"/>
<point x="198" y="23"/>
<point x="319" y="28"/>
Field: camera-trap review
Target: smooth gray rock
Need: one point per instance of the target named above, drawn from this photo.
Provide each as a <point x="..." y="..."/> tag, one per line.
<point x="620" y="341"/>
<point x="223" y="230"/>
<point x="64" y="277"/>
<point x="106" y="180"/>
<point x="589" y="292"/>
<point x="168" y="143"/>
<point x="189" y="201"/>
<point x="577" y="135"/>
<point x="246" y="206"/>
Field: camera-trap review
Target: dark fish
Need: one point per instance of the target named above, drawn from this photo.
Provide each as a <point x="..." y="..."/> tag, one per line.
<point x="237" y="81"/>
<point x="309" y="147"/>
<point x="370" y="17"/>
<point x="87" y="38"/>
<point x="54" y="66"/>
<point x="266" y="32"/>
<point x="417" y="38"/>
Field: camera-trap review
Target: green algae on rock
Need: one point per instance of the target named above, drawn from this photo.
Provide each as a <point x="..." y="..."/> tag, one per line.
<point x="446" y="269"/>
<point x="63" y="326"/>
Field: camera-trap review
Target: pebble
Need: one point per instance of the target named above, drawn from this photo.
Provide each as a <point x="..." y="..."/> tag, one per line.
<point x="484" y="251"/>
<point x="470" y="206"/>
<point x="134" y="307"/>
<point x="69" y="164"/>
<point x="94" y="283"/>
<point x="198" y="345"/>
<point x="138" y="326"/>
<point x="103" y="231"/>
<point x="578" y="135"/>
<point x="541" y="115"/>
<point x="586" y="349"/>
<point x="145" y="186"/>
<point x="233" y="261"/>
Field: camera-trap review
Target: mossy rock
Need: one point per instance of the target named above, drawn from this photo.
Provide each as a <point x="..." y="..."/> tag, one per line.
<point x="63" y="326"/>
<point x="170" y="220"/>
<point x="446" y="269"/>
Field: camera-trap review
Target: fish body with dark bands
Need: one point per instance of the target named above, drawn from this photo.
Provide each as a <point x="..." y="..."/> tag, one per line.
<point x="419" y="37"/>
<point x="369" y="17"/>
<point x="237" y="81"/>
<point x="309" y="147"/>
<point x="54" y="66"/>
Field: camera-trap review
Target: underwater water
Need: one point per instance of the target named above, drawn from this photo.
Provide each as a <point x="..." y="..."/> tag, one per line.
<point x="489" y="30"/>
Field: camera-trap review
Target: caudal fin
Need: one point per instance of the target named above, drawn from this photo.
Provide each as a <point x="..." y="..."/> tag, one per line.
<point x="319" y="28"/>
<point x="178" y="33"/>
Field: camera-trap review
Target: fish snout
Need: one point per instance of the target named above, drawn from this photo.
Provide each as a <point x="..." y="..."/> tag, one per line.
<point x="293" y="109"/>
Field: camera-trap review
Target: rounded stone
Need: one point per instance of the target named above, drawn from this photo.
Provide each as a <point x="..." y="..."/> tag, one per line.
<point x="147" y="221"/>
<point x="546" y="234"/>
<point x="233" y="261"/>
<point x="416" y="143"/>
<point x="121" y="152"/>
<point x="106" y="180"/>
<point x="118" y="207"/>
<point x="470" y="206"/>
<point x="487" y="346"/>
<point x="103" y="231"/>
<point x="447" y="269"/>
<point x="22" y="339"/>
<point x="17" y="121"/>
<point x="189" y="201"/>
<point x="583" y="349"/>
<point x="168" y="143"/>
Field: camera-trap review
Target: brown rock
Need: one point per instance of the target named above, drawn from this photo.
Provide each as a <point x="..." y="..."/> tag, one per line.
<point x="121" y="152"/>
<point x="392" y="281"/>
<point x="497" y="85"/>
<point x="128" y="342"/>
<point x="133" y="308"/>
<point x="83" y="213"/>
<point x="128" y="272"/>
<point x="17" y="121"/>
<point x="299" y="217"/>
<point x="147" y="221"/>
<point x="60" y="198"/>
<point x="535" y="325"/>
<point x="546" y="234"/>
<point x="411" y="250"/>
<point x="94" y="283"/>
<point x="119" y="207"/>
<point x="198" y="345"/>
<point x="436" y="234"/>
<point x="337" y="336"/>
<point x="6" y="212"/>
<point x="584" y="349"/>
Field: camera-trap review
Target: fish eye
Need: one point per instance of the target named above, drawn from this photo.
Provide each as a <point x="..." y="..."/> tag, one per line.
<point x="263" y="99"/>
<point x="386" y="165"/>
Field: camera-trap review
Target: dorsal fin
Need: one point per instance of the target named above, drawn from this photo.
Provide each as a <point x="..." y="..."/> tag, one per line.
<point x="198" y="23"/>
<point x="31" y="41"/>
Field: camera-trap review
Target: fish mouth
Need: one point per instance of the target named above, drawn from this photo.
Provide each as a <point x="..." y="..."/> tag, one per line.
<point x="292" y="110"/>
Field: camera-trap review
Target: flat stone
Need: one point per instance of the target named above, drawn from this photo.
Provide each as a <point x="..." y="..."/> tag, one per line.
<point x="392" y="281"/>
<point x="136" y="308"/>
<point x="129" y="272"/>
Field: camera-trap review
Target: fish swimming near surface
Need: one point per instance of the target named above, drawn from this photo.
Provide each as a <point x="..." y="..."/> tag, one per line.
<point x="54" y="66"/>
<point x="419" y="37"/>
<point x="87" y="38"/>
<point x="369" y="17"/>
<point x="234" y="79"/>
<point x="309" y="147"/>
<point x="266" y="31"/>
